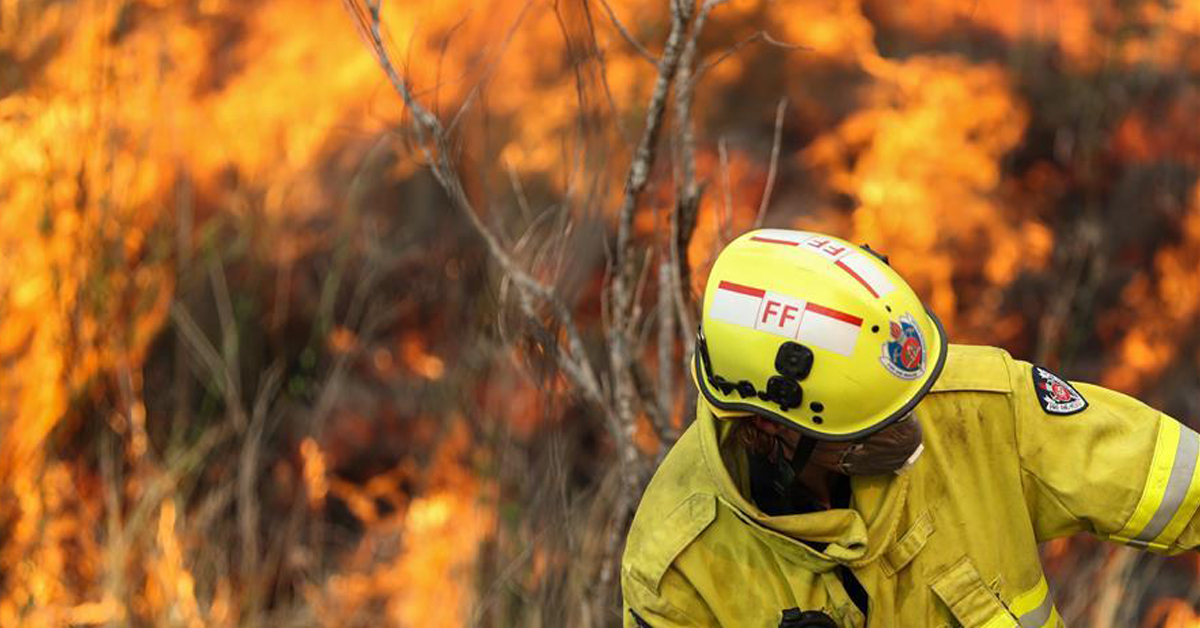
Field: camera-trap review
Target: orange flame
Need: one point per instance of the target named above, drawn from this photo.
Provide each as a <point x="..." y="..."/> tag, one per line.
<point x="1167" y="302"/>
<point x="428" y="577"/>
<point x="1084" y="31"/>
<point x="922" y="163"/>
<point x="1172" y="613"/>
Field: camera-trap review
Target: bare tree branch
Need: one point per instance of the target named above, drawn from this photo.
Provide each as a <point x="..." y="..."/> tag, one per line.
<point x="623" y="388"/>
<point x="683" y="225"/>
<point x="687" y="190"/>
<point x="621" y="347"/>
<point x="428" y="130"/>
<point x="684" y="128"/>
<point x="666" y="349"/>
<point x="644" y="155"/>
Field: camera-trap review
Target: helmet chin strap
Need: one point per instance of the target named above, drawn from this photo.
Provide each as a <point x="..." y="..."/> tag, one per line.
<point x="802" y="453"/>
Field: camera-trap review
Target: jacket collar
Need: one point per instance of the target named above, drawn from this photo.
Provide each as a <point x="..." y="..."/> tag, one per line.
<point x="855" y="535"/>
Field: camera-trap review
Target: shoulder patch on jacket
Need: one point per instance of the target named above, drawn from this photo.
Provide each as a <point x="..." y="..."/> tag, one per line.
<point x="1055" y="395"/>
<point x="974" y="368"/>
<point x="658" y="548"/>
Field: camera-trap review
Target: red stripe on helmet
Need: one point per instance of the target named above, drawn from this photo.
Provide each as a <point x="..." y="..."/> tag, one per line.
<point x="832" y="313"/>
<point x="774" y="241"/>
<point x="858" y="277"/>
<point x="747" y="290"/>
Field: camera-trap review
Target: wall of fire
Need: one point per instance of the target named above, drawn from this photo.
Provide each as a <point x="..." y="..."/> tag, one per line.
<point x="253" y="371"/>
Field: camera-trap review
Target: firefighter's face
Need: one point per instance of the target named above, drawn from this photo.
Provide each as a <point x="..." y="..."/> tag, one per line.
<point x="885" y="451"/>
<point x="789" y="436"/>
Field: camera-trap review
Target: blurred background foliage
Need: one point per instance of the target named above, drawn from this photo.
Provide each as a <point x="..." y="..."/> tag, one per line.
<point x="254" y="370"/>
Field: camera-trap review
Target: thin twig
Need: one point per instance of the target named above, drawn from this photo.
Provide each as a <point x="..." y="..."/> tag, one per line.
<point x="771" y="170"/>
<point x="578" y="53"/>
<point x="437" y="81"/>
<point x="229" y="335"/>
<point x="249" y="461"/>
<point x="683" y="219"/>
<point x="657" y="406"/>
<point x="726" y="217"/>
<point x="519" y="193"/>
<point x="164" y="484"/>
<point x="637" y="46"/>
<point x="639" y="288"/>
<point x="488" y="71"/>
<point x="600" y="53"/>
<point x="218" y="369"/>
<point x="737" y="47"/>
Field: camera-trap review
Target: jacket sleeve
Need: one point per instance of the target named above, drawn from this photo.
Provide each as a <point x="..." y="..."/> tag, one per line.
<point x="1096" y="460"/>
<point x="675" y="605"/>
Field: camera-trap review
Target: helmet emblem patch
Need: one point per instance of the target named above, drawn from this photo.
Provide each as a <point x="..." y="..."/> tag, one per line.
<point x="904" y="354"/>
<point x="1055" y="395"/>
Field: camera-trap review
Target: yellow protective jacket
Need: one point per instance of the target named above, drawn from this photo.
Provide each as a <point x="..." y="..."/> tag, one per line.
<point x="950" y="541"/>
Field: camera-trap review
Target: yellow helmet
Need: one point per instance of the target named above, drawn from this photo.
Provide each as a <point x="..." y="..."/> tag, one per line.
<point x="816" y="333"/>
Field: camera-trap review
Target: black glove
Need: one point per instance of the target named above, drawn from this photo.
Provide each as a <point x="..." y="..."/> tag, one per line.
<point x="796" y="618"/>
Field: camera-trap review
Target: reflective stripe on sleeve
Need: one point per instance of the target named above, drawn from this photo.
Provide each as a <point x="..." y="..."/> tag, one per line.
<point x="1172" y="489"/>
<point x="1035" y="607"/>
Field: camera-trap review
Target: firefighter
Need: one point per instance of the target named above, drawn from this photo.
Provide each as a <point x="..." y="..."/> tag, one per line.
<point x="848" y="467"/>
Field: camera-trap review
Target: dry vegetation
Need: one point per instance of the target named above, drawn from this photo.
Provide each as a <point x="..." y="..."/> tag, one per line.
<point x="373" y="315"/>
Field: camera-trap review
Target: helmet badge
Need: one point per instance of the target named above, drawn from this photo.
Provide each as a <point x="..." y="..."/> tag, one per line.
<point x="904" y="353"/>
